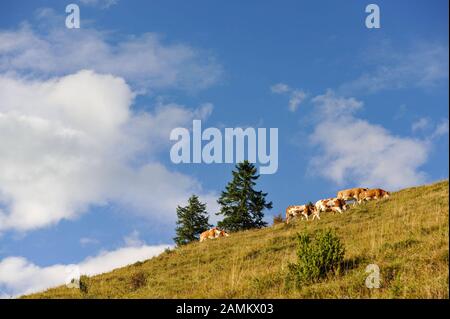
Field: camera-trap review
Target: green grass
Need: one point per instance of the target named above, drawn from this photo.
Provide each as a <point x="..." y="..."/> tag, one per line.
<point x="406" y="236"/>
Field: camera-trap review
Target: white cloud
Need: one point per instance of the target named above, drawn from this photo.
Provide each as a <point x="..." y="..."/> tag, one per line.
<point x="280" y="88"/>
<point x="296" y="97"/>
<point x="355" y="152"/>
<point x="88" y="241"/>
<point x="19" y="276"/>
<point x="72" y="142"/>
<point x="144" y="61"/>
<point x="133" y="240"/>
<point x="423" y="66"/>
<point x="329" y="105"/>
<point x="441" y="129"/>
<point x="103" y="4"/>
<point x="421" y="124"/>
<point x="433" y="130"/>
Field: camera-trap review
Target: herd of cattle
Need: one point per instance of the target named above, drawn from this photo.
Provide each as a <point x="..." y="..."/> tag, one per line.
<point x="336" y="205"/>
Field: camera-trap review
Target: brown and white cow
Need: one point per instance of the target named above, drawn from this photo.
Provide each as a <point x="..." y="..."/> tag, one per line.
<point x="376" y="193"/>
<point x="351" y="194"/>
<point x="301" y="210"/>
<point x="331" y="205"/>
<point x="213" y="233"/>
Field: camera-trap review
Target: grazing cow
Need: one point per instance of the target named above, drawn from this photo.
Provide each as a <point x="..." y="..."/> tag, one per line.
<point x="303" y="210"/>
<point x="331" y="205"/>
<point x="376" y="193"/>
<point x="213" y="233"/>
<point x="351" y="194"/>
<point x="321" y="205"/>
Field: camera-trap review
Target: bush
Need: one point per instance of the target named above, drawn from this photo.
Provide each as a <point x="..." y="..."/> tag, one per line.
<point x="277" y="219"/>
<point x="138" y="280"/>
<point x="316" y="258"/>
<point x="84" y="284"/>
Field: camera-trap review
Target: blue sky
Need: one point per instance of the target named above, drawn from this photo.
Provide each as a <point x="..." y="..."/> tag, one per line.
<point x="374" y="112"/>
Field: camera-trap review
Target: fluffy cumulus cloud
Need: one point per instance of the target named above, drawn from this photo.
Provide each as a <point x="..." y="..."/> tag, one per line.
<point x="143" y="60"/>
<point x="19" y="276"/>
<point x="296" y="96"/>
<point x="71" y="142"/>
<point x="354" y="151"/>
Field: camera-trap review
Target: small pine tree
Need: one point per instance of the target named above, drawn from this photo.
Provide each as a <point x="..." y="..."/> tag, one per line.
<point x="241" y="205"/>
<point x="192" y="221"/>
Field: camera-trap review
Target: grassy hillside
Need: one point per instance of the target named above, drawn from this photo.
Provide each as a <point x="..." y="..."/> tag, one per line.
<point x="406" y="236"/>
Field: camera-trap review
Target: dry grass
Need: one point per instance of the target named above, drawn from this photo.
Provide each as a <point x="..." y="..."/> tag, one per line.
<point x="406" y="236"/>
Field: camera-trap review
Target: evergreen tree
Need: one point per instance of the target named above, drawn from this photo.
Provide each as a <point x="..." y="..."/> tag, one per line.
<point x="192" y="221"/>
<point x="241" y="205"/>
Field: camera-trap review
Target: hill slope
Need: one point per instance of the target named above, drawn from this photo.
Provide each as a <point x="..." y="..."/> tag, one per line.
<point x="406" y="236"/>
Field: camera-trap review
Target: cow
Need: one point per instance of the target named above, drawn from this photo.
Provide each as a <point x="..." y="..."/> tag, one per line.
<point x="321" y="205"/>
<point x="331" y="205"/>
<point x="376" y="193"/>
<point x="303" y="210"/>
<point x="351" y="194"/>
<point x="213" y="233"/>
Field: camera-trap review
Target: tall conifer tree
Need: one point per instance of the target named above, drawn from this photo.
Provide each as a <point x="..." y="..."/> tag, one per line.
<point x="241" y="205"/>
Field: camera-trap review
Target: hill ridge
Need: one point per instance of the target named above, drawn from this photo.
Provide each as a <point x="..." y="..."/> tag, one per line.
<point x="405" y="235"/>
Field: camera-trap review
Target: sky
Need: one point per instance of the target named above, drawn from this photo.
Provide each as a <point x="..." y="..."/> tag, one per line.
<point x="86" y="178"/>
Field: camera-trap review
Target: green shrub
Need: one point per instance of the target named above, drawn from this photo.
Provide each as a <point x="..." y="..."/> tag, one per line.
<point x="316" y="257"/>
